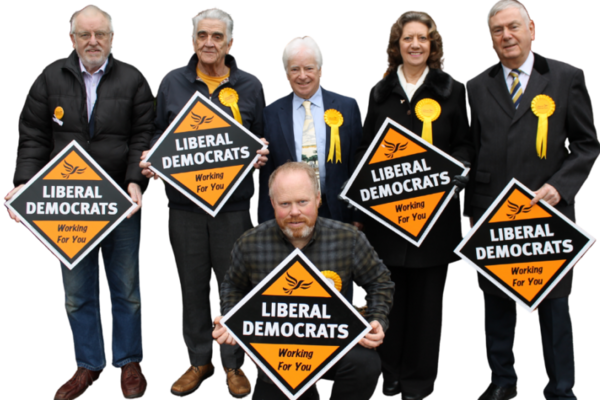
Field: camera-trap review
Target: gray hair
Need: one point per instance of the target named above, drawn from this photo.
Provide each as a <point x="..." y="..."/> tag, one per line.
<point x="505" y="4"/>
<point x="295" y="166"/>
<point x="214" y="13"/>
<point x="298" y="44"/>
<point x="85" y="11"/>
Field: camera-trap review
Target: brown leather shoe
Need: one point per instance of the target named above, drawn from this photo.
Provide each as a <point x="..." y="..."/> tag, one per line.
<point x="191" y="380"/>
<point x="77" y="384"/>
<point x="133" y="383"/>
<point x="237" y="382"/>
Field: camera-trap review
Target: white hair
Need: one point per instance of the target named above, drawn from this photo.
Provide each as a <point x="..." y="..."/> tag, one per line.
<point x="505" y="4"/>
<point x="299" y="43"/>
<point x="214" y="13"/>
<point x="85" y="11"/>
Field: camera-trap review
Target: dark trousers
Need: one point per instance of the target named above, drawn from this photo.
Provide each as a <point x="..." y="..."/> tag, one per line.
<point x="354" y="377"/>
<point x="411" y="347"/>
<point x="557" y="343"/>
<point x="201" y="243"/>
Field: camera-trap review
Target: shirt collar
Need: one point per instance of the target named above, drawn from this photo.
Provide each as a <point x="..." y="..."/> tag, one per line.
<point x="526" y="68"/>
<point x="316" y="99"/>
<point x="402" y="78"/>
<point x="85" y="71"/>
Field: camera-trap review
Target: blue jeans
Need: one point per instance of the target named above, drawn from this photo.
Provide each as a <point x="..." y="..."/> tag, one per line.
<point x="120" y="251"/>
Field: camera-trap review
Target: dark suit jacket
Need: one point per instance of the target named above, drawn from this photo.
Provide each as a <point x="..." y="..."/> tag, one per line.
<point x="279" y="132"/>
<point x="505" y="140"/>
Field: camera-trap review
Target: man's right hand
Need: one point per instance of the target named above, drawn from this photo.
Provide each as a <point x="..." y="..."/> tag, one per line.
<point x="145" y="166"/>
<point x="8" y="197"/>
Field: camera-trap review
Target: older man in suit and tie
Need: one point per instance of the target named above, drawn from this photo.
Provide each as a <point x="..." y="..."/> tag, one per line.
<point x="506" y="105"/>
<point x="313" y="125"/>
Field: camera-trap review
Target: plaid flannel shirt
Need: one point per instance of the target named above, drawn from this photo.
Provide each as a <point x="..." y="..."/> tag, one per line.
<point x="334" y="246"/>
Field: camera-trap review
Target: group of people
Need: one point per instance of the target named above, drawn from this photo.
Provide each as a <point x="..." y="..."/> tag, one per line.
<point x="110" y="111"/>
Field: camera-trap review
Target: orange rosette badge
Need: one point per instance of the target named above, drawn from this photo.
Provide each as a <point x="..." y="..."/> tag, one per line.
<point x="59" y="113"/>
<point x="428" y="110"/>
<point x="543" y="107"/>
<point x="229" y="98"/>
<point x="334" y="119"/>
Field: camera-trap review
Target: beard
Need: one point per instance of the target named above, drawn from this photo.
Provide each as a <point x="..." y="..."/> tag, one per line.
<point x="297" y="233"/>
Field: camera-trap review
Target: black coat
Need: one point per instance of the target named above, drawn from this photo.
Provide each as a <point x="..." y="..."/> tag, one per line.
<point x="123" y="117"/>
<point x="450" y="134"/>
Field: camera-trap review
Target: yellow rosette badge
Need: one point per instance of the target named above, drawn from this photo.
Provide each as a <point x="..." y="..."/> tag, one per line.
<point x="229" y="98"/>
<point x="428" y="110"/>
<point x="333" y="278"/>
<point x="543" y="107"/>
<point x="334" y="119"/>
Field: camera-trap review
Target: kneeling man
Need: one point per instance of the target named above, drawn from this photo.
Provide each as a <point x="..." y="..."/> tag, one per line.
<point x="330" y="245"/>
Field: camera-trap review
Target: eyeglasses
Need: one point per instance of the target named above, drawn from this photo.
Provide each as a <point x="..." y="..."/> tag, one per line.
<point x="100" y="35"/>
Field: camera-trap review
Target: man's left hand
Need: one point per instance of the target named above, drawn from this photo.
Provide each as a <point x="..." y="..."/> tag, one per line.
<point x="374" y="338"/>
<point x="548" y="194"/>
<point x="135" y="192"/>
<point x="220" y="333"/>
<point x="262" y="160"/>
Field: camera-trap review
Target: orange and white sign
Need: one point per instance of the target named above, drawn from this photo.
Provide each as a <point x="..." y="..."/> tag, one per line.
<point x="71" y="204"/>
<point x="205" y="154"/>
<point x="403" y="181"/>
<point x="524" y="250"/>
<point x="295" y="325"/>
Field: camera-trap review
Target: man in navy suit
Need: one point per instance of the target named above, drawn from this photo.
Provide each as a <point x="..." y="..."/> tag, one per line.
<point x="287" y="118"/>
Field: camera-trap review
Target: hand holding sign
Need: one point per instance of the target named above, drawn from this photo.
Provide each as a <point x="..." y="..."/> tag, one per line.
<point x="262" y="153"/>
<point x="548" y="194"/>
<point x="8" y="197"/>
<point x="221" y="334"/>
<point x="374" y="338"/>
<point x="145" y="166"/>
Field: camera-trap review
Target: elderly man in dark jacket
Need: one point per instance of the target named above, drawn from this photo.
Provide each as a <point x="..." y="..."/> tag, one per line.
<point x="108" y="108"/>
<point x="202" y="243"/>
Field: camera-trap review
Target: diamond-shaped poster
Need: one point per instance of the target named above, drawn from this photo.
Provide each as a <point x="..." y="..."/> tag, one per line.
<point x="524" y="250"/>
<point x="295" y="324"/>
<point x="71" y="204"/>
<point x="403" y="181"/>
<point x="204" y="153"/>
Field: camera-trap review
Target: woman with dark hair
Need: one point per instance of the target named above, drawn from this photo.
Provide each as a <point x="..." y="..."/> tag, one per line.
<point x="409" y="353"/>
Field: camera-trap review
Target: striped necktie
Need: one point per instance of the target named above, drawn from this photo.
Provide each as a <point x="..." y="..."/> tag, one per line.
<point x="516" y="90"/>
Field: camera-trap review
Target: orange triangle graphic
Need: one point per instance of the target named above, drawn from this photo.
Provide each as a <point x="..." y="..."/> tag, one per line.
<point x="527" y="279"/>
<point x="296" y="281"/>
<point x="294" y="362"/>
<point x="395" y="145"/>
<point x="410" y="214"/>
<point x="209" y="184"/>
<point x="71" y="236"/>
<point x="200" y="118"/>
<point x="517" y="208"/>
<point x="73" y="168"/>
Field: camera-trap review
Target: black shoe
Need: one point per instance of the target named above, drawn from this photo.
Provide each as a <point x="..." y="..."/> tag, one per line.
<point x="391" y="387"/>
<point x="495" y="392"/>
<point x="409" y="396"/>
